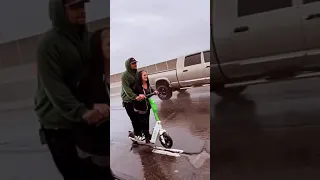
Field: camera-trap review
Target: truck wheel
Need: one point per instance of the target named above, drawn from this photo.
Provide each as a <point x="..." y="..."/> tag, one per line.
<point x="229" y="92"/>
<point x="182" y="90"/>
<point x="165" y="92"/>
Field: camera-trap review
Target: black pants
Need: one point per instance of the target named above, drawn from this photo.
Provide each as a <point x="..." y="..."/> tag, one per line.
<point x="144" y="123"/>
<point x="65" y="156"/>
<point x="133" y="117"/>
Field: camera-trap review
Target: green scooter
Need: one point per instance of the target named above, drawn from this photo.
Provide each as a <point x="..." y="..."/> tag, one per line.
<point x="158" y="131"/>
<point x="164" y="138"/>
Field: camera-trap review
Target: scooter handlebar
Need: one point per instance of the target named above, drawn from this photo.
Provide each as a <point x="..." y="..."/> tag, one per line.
<point x="150" y="95"/>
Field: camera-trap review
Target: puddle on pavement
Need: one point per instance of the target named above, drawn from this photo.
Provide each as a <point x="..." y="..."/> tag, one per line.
<point x="142" y="163"/>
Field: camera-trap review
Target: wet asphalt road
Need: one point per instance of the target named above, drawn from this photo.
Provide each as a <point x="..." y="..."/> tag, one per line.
<point x="186" y="116"/>
<point x="21" y="155"/>
<point x="271" y="132"/>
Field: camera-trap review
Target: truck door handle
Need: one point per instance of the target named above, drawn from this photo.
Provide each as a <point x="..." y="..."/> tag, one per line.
<point x="207" y="66"/>
<point x="241" y="29"/>
<point x="313" y="16"/>
<point x="185" y="70"/>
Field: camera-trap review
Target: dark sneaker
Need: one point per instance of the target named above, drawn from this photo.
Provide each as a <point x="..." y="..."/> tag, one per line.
<point x="131" y="135"/>
<point x="148" y="138"/>
<point x="135" y="142"/>
<point x="140" y="138"/>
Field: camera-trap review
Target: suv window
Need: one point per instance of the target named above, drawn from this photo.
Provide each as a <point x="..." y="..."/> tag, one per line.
<point x="206" y="56"/>
<point x="192" y="60"/>
<point x="310" y="1"/>
<point x="249" y="7"/>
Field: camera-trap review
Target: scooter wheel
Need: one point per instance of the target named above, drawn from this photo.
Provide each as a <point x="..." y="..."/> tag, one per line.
<point x="168" y="143"/>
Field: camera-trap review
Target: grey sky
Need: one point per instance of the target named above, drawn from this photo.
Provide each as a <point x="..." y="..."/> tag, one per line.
<point x="157" y="30"/>
<point x="21" y="18"/>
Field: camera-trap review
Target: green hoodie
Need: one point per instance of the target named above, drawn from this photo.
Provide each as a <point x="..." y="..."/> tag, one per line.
<point x="128" y="79"/>
<point x="62" y="60"/>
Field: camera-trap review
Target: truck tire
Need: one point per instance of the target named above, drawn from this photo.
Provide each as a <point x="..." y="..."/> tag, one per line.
<point x="229" y="92"/>
<point x="165" y="92"/>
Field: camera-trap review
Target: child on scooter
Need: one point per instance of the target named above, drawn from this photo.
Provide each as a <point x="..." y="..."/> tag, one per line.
<point x="142" y="108"/>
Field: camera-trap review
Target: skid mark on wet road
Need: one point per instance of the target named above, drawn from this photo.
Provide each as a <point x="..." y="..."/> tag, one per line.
<point x="197" y="160"/>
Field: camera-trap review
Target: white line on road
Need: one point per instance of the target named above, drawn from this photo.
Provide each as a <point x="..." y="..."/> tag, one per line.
<point x="197" y="160"/>
<point x="158" y="151"/>
<point x="165" y="151"/>
<point x="170" y="150"/>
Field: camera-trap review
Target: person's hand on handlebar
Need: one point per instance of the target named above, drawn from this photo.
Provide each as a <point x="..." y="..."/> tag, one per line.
<point x="140" y="97"/>
<point x="104" y="109"/>
<point x="93" y="116"/>
<point x="156" y="92"/>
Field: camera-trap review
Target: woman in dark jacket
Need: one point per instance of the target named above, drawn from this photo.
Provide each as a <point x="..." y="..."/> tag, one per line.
<point x="142" y="108"/>
<point x="94" y="140"/>
<point x="94" y="89"/>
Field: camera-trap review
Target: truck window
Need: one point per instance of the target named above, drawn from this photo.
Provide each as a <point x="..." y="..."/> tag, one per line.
<point x="192" y="60"/>
<point x="249" y="7"/>
<point x="206" y="56"/>
<point x="310" y="1"/>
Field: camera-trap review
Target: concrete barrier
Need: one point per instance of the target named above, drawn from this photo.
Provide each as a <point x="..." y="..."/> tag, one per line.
<point x="115" y="79"/>
<point x="152" y="69"/>
<point x="115" y="89"/>
<point x="18" y="81"/>
<point x="17" y="87"/>
<point x="23" y="51"/>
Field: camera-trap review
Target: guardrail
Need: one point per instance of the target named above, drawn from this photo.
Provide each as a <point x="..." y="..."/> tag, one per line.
<point x="23" y="51"/>
<point x="152" y="69"/>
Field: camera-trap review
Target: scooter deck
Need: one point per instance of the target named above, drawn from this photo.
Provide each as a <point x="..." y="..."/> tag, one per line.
<point x="157" y="147"/>
<point x="168" y="149"/>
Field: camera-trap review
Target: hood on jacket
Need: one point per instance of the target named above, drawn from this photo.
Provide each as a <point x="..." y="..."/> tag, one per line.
<point x="78" y="34"/>
<point x="128" y="67"/>
<point x="58" y="16"/>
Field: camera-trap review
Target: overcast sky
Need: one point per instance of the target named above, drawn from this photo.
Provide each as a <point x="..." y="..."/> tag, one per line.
<point x="21" y="18"/>
<point x="157" y="30"/>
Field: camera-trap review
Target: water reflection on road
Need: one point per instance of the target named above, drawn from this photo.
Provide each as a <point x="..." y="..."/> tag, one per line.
<point x="270" y="132"/>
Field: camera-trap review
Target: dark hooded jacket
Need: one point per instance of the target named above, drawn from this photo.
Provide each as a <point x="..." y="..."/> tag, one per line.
<point x="62" y="61"/>
<point x="101" y="94"/>
<point x="94" y="88"/>
<point x="128" y="80"/>
<point x="143" y="105"/>
<point x="90" y="138"/>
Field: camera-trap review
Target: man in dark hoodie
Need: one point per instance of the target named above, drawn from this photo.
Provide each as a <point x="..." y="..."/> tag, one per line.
<point x="63" y="59"/>
<point x="129" y="79"/>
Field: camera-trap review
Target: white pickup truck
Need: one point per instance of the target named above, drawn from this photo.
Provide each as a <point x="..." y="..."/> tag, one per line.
<point x="256" y="42"/>
<point x="191" y="71"/>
